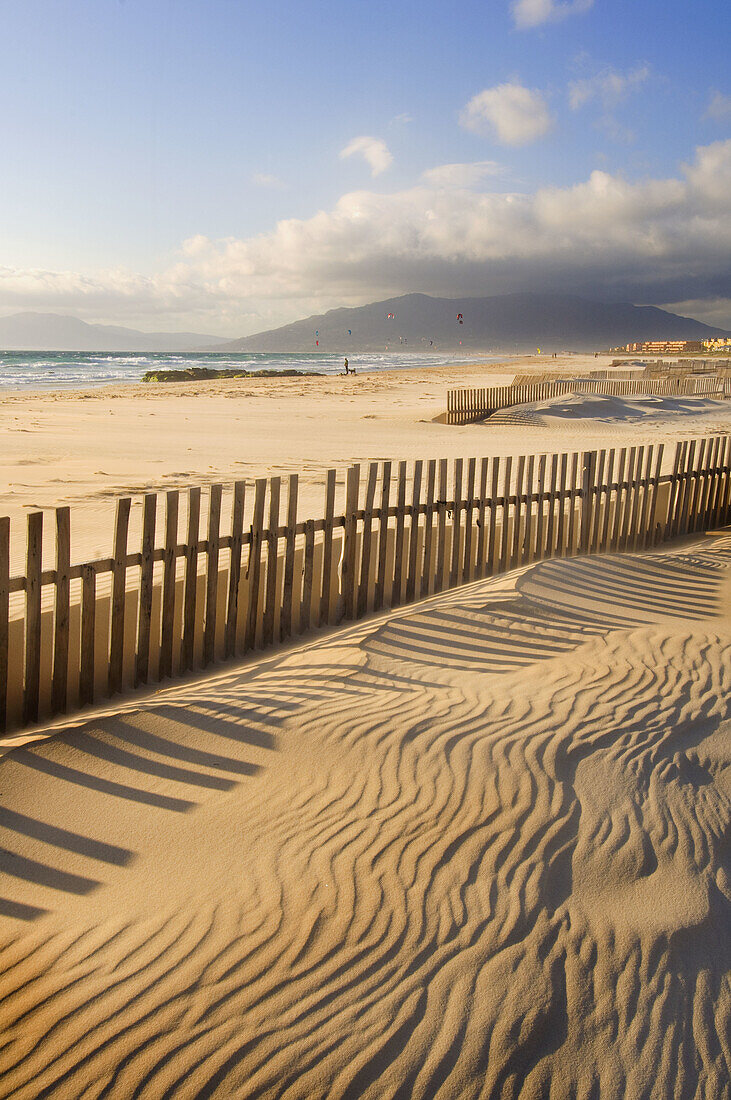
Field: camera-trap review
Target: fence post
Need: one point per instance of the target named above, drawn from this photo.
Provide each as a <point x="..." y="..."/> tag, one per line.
<point x="481" y="533"/>
<point x="725" y="494"/>
<point x="275" y="485"/>
<point x="411" y="574"/>
<point x="285" y="621"/>
<point x="516" y="557"/>
<point x="504" y="534"/>
<point x="147" y="564"/>
<point x="307" y="577"/>
<point x="365" y="567"/>
<point x="214" y="529"/>
<point x="589" y="469"/>
<point x="562" y="492"/>
<point x="642" y="529"/>
<point x="168" y="583"/>
<point x="398" y="565"/>
<point x="427" y="572"/>
<point x="63" y="607"/>
<point x="469" y="508"/>
<point x="722" y="481"/>
<point x="33" y="617"/>
<point x="116" y="645"/>
<point x="456" y="523"/>
<point x="529" y="490"/>
<point x="234" y="567"/>
<point x="688" y="483"/>
<point x="619" y="501"/>
<point x="551" y="523"/>
<point x="380" y="593"/>
<point x="88" y="635"/>
<point x="671" y="525"/>
<point x="190" y="597"/>
<point x="695" y="504"/>
<point x="630" y="542"/>
<point x="540" y="518"/>
<point x="253" y="565"/>
<point x="348" y="585"/>
<point x="710" y="481"/>
<point x="4" y="617"/>
<point x="604" y="541"/>
<point x="327" y="548"/>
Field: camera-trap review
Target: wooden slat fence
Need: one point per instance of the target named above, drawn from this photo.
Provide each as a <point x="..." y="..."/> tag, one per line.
<point x="76" y="634"/>
<point x="467" y="406"/>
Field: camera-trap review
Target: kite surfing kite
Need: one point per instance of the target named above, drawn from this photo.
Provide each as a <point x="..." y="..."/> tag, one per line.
<point x="459" y="318"/>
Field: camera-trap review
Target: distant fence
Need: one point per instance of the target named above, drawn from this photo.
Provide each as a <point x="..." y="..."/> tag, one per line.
<point x="73" y="635"/>
<point x="682" y="366"/>
<point x="468" y="406"/>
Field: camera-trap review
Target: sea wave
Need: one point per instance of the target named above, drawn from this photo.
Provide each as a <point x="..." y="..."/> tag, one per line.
<point x="64" y="369"/>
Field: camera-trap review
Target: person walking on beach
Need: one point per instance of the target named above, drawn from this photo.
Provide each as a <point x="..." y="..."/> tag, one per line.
<point x="347" y="370"/>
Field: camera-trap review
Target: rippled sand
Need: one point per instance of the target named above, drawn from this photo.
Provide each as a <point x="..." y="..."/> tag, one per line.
<point x="589" y="413"/>
<point x="471" y="849"/>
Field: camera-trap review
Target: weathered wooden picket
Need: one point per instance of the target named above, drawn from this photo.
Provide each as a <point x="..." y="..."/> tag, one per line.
<point x="76" y="634"/>
<point x="469" y="405"/>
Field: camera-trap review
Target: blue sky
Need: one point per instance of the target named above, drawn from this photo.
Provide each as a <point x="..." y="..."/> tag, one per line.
<point x="131" y="127"/>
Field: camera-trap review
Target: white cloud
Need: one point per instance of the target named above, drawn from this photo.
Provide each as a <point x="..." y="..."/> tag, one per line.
<point x="656" y="240"/>
<point x="719" y="106"/>
<point x="514" y="114"/>
<point x="462" y="175"/>
<point x="609" y="87"/>
<point x="374" y="151"/>
<point x="264" y="179"/>
<point x="533" y="13"/>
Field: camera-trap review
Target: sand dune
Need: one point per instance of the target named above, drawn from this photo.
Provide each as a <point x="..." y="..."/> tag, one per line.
<point x="474" y="848"/>
<point x="587" y="412"/>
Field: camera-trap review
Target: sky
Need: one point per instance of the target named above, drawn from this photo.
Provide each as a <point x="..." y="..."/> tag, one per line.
<point x="224" y="166"/>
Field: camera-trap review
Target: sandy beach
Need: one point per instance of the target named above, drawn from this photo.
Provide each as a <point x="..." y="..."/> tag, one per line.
<point x="476" y="847"/>
<point x="87" y="448"/>
<point x="365" y="551"/>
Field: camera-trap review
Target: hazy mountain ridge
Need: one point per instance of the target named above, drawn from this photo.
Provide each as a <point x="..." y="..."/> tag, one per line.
<point x="511" y="322"/>
<point x="58" y="332"/>
<point x="418" y="322"/>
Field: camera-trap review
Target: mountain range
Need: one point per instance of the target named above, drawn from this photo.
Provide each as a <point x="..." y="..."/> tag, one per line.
<point x="412" y="322"/>
<point x="506" y="323"/>
<point x="56" y="332"/>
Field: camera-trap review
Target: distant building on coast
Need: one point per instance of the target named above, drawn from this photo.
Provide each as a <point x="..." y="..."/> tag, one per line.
<point x="663" y="347"/>
<point x="722" y="343"/>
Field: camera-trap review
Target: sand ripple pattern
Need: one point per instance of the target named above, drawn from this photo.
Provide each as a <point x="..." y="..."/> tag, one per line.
<point x="478" y="848"/>
<point x="579" y="413"/>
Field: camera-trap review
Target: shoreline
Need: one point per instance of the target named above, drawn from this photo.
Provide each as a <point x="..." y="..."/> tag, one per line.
<point x="366" y="362"/>
<point x="85" y="448"/>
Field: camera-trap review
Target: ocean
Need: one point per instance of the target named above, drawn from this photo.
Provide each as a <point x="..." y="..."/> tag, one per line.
<point x="53" y="370"/>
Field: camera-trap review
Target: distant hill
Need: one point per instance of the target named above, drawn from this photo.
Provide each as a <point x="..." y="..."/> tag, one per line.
<point x="510" y="322"/>
<point x="55" y="332"/>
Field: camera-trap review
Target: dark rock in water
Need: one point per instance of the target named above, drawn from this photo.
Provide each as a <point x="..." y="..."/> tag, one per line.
<point x="197" y="373"/>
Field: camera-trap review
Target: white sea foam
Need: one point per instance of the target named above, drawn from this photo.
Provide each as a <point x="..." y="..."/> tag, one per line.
<point x="62" y="369"/>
